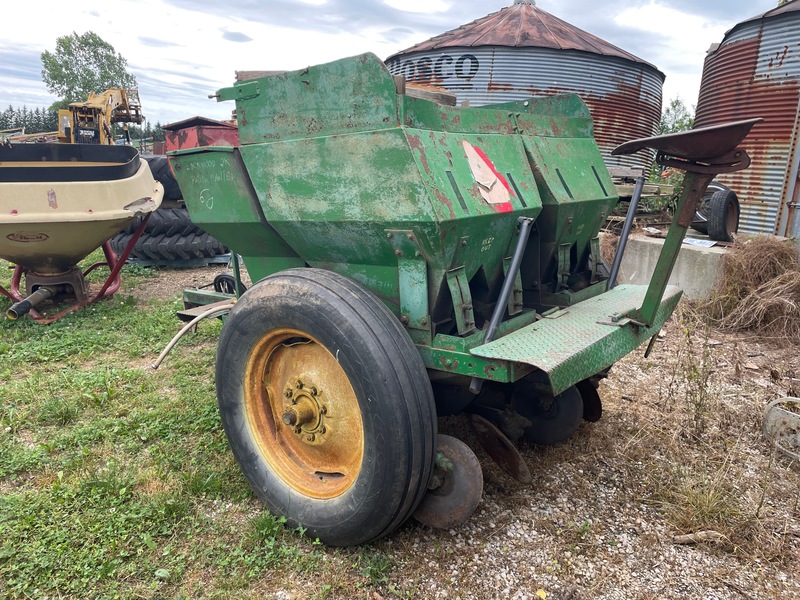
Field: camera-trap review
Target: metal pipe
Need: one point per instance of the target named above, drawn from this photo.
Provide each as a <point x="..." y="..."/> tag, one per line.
<point x="23" y="307"/>
<point x="694" y="186"/>
<point x="626" y="231"/>
<point x="214" y="311"/>
<point x="502" y="300"/>
<point x="789" y="225"/>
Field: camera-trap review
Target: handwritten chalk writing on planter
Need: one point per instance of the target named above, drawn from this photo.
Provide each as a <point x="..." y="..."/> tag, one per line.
<point x="435" y="70"/>
<point x="208" y="171"/>
<point x="206" y="198"/>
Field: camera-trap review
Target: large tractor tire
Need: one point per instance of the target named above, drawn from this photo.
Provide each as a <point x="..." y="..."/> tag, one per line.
<point x="167" y="221"/>
<point x="159" y="167"/>
<point x="161" y="248"/>
<point x="327" y="405"/>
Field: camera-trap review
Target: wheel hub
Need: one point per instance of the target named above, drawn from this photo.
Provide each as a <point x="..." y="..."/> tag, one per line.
<point x="306" y="412"/>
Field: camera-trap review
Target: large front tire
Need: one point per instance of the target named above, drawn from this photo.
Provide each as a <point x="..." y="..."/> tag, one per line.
<point x="327" y="405"/>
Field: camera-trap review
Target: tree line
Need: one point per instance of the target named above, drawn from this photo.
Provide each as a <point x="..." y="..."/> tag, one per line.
<point x="38" y="120"/>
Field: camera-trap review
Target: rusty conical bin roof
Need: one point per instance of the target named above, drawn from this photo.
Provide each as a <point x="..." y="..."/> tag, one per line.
<point x="520" y="25"/>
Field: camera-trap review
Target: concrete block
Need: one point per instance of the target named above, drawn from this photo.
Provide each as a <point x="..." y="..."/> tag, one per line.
<point x="696" y="269"/>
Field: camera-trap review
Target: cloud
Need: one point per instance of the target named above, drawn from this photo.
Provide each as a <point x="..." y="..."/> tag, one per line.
<point x="396" y="34"/>
<point x="156" y="43"/>
<point x="20" y="64"/>
<point x="351" y="16"/>
<point x="174" y="92"/>
<point x="235" y="36"/>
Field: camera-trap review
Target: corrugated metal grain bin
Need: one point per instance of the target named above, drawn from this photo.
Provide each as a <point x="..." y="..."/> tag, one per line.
<point x="522" y="51"/>
<point x="755" y="72"/>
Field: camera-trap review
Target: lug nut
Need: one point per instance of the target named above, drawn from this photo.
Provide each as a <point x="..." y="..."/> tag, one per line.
<point x="310" y="437"/>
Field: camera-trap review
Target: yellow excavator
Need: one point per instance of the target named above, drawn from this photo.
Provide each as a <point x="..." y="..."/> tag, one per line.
<point x="90" y="122"/>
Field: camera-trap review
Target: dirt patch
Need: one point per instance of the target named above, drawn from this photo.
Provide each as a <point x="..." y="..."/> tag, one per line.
<point x="162" y="283"/>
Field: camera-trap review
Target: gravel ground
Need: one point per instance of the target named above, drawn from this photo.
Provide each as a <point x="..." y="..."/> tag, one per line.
<point x="599" y="520"/>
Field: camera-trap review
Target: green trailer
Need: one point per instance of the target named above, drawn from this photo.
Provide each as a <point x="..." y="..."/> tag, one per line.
<point x="412" y="260"/>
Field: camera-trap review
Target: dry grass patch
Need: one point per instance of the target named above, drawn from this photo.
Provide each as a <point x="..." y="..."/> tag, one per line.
<point x="694" y="443"/>
<point x="759" y="289"/>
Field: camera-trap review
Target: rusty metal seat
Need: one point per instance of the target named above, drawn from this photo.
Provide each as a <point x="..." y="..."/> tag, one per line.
<point x="704" y="150"/>
<point x="702" y="153"/>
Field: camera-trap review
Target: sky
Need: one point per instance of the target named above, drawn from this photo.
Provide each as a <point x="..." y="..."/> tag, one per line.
<point x="181" y="51"/>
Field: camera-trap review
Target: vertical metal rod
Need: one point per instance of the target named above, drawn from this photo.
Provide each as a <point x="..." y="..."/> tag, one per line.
<point x="502" y="300"/>
<point x="626" y="231"/>
<point x="237" y="275"/>
<point x="789" y="222"/>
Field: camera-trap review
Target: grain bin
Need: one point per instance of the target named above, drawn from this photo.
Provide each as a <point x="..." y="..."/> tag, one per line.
<point x="755" y="71"/>
<point x="522" y="51"/>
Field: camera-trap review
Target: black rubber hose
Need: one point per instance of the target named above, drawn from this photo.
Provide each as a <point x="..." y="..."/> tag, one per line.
<point x="23" y="307"/>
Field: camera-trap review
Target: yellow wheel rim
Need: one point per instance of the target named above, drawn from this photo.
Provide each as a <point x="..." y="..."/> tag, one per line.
<point x="303" y="414"/>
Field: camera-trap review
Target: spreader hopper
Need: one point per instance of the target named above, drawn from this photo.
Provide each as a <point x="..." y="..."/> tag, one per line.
<point x="60" y="202"/>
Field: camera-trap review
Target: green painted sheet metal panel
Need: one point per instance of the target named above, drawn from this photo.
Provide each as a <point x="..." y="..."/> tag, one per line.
<point x="423" y="114"/>
<point x="479" y="185"/>
<point x="343" y="96"/>
<point x="332" y="199"/>
<point x="564" y="115"/>
<point x="221" y="200"/>
<point x="575" y="345"/>
<point x="577" y="196"/>
<point x="449" y="165"/>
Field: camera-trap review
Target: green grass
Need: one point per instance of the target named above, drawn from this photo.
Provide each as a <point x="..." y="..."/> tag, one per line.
<point x="117" y="480"/>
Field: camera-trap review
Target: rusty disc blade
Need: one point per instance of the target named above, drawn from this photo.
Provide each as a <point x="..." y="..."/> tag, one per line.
<point x="501" y="449"/>
<point x="458" y="487"/>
